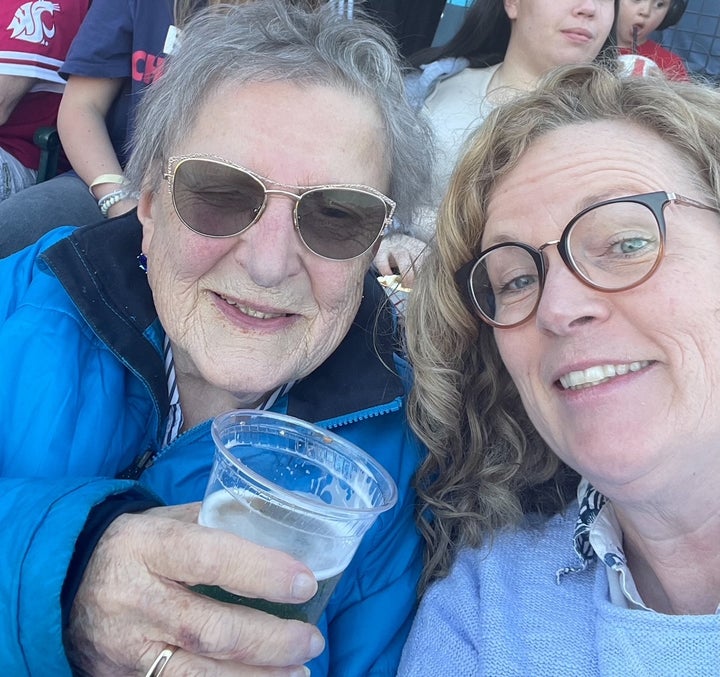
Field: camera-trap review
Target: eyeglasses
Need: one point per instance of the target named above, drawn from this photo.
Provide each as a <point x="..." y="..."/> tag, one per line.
<point x="219" y="199"/>
<point x="610" y="246"/>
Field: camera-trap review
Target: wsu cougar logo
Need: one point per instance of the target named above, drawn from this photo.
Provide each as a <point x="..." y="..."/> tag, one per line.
<point x="27" y="24"/>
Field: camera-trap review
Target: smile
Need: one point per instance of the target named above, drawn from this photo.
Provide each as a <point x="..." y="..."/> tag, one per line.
<point x="252" y="312"/>
<point x="593" y="376"/>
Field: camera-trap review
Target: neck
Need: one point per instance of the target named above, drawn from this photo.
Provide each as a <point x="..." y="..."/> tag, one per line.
<point x="675" y="562"/>
<point x="200" y="400"/>
<point x="512" y="79"/>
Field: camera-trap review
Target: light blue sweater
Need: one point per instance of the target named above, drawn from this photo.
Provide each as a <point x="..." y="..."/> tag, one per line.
<point x="502" y="611"/>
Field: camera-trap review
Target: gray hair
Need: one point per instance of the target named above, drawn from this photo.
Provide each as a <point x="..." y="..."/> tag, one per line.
<point x="271" y="41"/>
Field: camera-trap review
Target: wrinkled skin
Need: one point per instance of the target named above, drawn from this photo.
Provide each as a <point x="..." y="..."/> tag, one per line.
<point x="244" y="315"/>
<point x="134" y="590"/>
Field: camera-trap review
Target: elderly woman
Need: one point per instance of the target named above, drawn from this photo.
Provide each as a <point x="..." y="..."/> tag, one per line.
<point x="263" y="159"/>
<point x="568" y="321"/>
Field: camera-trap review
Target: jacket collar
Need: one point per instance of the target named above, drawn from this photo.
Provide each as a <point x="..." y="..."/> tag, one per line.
<point x="97" y="265"/>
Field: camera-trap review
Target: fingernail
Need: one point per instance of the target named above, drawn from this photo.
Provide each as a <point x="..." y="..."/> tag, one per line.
<point x="304" y="587"/>
<point x="317" y="644"/>
<point x="303" y="671"/>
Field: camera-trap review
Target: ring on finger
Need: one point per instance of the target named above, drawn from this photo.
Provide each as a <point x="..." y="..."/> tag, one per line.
<point x="156" y="669"/>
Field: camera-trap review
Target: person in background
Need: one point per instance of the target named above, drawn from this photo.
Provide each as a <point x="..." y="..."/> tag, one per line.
<point x="34" y="40"/>
<point x="117" y="53"/>
<point x="501" y="49"/>
<point x="637" y="19"/>
<point x="263" y="158"/>
<point x="565" y="325"/>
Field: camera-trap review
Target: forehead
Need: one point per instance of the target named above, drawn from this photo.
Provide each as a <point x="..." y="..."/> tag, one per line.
<point x="570" y="168"/>
<point x="291" y="133"/>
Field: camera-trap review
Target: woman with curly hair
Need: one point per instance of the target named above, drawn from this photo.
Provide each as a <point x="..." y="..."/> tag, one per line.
<point x="565" y="327"/>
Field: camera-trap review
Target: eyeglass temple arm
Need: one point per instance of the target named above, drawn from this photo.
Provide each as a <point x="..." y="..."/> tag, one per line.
<point x="688" y="201"/>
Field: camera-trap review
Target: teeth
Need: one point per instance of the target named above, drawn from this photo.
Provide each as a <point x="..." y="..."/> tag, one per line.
<point x="251" y="311"/>
<point x="600" y="374"/>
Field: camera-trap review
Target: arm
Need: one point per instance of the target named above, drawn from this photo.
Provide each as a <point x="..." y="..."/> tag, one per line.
<point x="143" y="605"/>
<point x="443" y="635"/>
<point x="83" y="132"/>
<point x="12" y="89"/>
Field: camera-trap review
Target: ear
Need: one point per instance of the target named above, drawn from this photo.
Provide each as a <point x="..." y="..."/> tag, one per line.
<point x="145" y="211"/>
<point x="511" y="8"/>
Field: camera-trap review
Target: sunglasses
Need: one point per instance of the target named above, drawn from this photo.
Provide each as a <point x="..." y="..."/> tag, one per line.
<point x="219" y="199"/>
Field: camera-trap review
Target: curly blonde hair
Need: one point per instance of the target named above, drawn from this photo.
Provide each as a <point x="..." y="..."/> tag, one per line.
<point x="486" y="464"/>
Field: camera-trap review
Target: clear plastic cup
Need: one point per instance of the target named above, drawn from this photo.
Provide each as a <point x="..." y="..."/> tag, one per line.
<point x="286" y="484"/>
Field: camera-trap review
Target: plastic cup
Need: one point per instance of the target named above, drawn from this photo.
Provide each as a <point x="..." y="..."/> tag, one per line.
<point x="634" y="65"/>
<point x="289" y="485"/>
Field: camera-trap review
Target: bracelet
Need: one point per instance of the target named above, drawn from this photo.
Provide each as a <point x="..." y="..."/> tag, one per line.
<point x="107" y="201"/>
<point x="119" y="179"/>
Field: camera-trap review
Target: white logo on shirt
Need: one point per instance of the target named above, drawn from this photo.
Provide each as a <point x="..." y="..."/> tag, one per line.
<point x="27" y="24"/>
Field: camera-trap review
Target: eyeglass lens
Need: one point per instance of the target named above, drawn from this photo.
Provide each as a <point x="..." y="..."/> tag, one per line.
<point x="611" y="247"/>
<point x="219" y="200"/>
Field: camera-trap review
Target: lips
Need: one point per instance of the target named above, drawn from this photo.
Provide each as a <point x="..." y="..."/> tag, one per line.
<point x="579" y="34"/>
<point x="250" y="311"/>
<point x="593" y="376"/>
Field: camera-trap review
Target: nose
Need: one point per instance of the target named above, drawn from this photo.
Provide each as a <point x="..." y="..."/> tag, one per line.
<point x="270" y="250"/>
<point x="567" y="305"/>
<point x="586" y="7"/>
<point x="643" y="7"/>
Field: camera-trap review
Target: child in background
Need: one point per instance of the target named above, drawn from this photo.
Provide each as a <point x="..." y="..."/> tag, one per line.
<point x="638" y="19"/>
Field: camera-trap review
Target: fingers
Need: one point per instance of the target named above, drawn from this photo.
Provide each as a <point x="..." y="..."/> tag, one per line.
<point x="203" y="626"/>
<point x="401" y="253"/>
<point x="382" y="261"/>
<point x="183" y="663"/>
<point x="193" y="554"/>
<point x="133" y="595"/>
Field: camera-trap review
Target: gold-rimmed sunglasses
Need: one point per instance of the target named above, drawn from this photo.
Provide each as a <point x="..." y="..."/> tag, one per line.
<point x="219" y="199"/>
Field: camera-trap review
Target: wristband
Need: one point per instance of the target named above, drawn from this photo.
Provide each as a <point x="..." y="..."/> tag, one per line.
<point x="107" y="201"/>
<point x="119" y="179"/>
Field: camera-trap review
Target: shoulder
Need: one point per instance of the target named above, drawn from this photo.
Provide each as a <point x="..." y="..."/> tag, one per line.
<point x="35" y="291"/>
<point x="37" y="36"/>
<point x="462" y="92"/>
<point x="670" y="63"/>
<point x="420" y="83"/>
<point x="475" y="77"/>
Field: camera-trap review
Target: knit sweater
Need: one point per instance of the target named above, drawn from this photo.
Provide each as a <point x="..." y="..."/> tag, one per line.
<point x="505" y="611"/>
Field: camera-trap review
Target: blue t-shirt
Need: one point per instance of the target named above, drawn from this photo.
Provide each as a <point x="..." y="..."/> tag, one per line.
<point x="121" y="39"/>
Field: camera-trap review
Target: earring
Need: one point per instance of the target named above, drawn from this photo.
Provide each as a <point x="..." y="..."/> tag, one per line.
<point x="142" y="262"/>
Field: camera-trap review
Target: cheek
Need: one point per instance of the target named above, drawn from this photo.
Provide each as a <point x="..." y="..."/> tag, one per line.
<point x="522" y="364"/>
<point x="510" y="347"/>
<point x="182" y="256"/>
<point x="337" y="288"/>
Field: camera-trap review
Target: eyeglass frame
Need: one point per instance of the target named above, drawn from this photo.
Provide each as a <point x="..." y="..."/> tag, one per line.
<point x="655" y="202"/>
<point x="175" y="161"/>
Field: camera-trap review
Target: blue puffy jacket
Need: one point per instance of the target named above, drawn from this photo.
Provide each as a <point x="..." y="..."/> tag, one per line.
<point x="84" y="400"/>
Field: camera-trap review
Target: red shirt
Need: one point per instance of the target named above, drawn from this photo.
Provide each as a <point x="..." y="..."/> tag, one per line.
<point x="668" y="62"/>
<point x="35" y="36"/>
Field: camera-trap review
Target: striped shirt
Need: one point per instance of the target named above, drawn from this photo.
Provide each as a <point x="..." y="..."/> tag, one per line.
<point x="175" y="416"/>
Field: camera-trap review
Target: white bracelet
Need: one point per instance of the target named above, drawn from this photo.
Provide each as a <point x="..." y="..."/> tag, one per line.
<point x="117" y="179"/>
<point x="107" y="201"/>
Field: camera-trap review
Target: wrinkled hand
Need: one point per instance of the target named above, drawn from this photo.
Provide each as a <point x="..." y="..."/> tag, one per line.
<point x="133" y="601"/>
<point x="402" y="254"/>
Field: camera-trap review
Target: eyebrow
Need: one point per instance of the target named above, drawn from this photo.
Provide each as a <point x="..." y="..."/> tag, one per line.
<point x="611" y="193"/>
